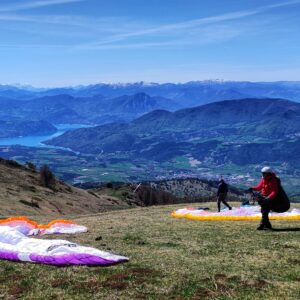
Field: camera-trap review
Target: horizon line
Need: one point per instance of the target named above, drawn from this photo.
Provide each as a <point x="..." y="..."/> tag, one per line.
<point x="27" y="86"/>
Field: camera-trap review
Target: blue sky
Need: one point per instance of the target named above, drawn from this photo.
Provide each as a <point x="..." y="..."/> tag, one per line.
<point x="71" y="42"/>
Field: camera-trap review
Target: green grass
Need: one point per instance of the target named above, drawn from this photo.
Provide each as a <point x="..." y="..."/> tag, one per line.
<point x="169" y="259"/>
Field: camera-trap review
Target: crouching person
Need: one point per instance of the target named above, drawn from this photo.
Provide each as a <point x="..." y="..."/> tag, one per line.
<point x="272" y="197"/>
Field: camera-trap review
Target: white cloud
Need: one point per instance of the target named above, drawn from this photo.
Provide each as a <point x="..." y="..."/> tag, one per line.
<point x="35" y="4"/>
<point x="115" y="33"/>
<point x="182" y="26"/>
<point x="93" y="24"/>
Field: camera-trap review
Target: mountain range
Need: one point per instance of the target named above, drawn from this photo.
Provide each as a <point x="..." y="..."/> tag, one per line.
<point x="18" y="128"/>
<point x="158" y="131"/>
<point x="107" y="103"/>
<point x="187" y="94"/>
<point x="86" y="110"/>
<point x="240" y="131"/>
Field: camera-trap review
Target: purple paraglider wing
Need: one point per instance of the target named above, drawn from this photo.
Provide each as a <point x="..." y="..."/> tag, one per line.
<point x="14" y="245"/>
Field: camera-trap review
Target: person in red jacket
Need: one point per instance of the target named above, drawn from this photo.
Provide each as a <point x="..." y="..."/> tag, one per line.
<point x="269" y="189"/>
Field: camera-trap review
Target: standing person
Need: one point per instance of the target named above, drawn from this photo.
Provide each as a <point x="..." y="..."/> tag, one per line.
<point x="272" y="197"/>
<point x="222" y="194"/>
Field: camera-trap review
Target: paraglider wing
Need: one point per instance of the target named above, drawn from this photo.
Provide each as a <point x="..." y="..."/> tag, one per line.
<point x="14" y="245"/>
<point x="245" y="213"/>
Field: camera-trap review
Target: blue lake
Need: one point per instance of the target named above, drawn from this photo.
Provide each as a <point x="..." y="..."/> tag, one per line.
<point x="36" y="141"/>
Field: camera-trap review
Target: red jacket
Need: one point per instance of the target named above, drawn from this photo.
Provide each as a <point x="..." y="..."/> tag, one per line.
<point x="269" y="187"/>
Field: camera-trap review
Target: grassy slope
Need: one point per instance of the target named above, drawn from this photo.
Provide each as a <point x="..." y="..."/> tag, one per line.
<point x="20" y="188"/>
<point x="169" y="259"/>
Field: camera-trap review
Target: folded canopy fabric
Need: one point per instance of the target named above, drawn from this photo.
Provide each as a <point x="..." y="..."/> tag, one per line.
<point x="244" y="213"/>
<point x="30" y="227"/>
<point x="17" y="246"/>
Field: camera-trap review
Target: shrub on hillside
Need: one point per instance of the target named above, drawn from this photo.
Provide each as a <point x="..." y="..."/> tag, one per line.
<point x="109" y="185"/>
<point x="150" y="196"/>
<point x="47" y="178"/>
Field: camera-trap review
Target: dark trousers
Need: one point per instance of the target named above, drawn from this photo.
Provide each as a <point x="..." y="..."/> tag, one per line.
<point x="221" y="198"/>
<point x="268" y="205"/>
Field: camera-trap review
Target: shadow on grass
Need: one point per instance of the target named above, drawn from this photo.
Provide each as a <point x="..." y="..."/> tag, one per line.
<point x="287" y="229"/>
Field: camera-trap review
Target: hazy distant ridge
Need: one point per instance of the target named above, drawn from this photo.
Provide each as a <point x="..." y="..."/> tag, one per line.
<point x="188" y="94"/>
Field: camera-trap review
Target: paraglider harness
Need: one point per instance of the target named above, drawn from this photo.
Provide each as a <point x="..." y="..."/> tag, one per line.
<point x="280" y="204"/>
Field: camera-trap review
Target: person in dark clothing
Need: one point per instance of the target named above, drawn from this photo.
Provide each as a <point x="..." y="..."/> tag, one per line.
<point x="271" y="197"/>
<point x="222" y="194"/>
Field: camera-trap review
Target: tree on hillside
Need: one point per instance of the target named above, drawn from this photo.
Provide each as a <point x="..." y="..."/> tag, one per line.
<point x="151" y="196"/>
<point x="47" y="178"/>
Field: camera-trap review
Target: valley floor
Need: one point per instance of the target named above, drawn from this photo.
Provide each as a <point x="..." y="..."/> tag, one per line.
<point x="169" y="259"/>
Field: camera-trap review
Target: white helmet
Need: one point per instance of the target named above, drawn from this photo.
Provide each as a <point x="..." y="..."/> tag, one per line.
<point x="266" y="170"/>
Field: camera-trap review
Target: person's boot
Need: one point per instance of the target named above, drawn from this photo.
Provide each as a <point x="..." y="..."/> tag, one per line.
<point x="228" y="206"/>
<point x="268" y="226"/>
<point x="264" y="227"/>
<point x="261" y="226"/>
<point x="265" y="223"/>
